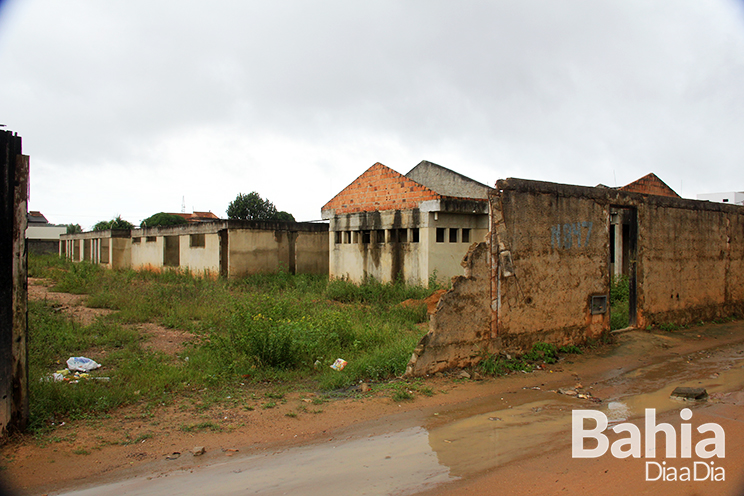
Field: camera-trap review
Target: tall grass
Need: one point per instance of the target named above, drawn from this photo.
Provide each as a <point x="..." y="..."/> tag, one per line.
<point x="272" y="327"/>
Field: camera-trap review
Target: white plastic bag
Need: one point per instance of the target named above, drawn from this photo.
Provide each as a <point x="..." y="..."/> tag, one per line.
<point x="81" y="364"/>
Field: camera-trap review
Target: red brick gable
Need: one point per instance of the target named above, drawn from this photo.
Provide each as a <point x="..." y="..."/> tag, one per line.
<point x="380" y="188"/>
<point x="650" y="184"/>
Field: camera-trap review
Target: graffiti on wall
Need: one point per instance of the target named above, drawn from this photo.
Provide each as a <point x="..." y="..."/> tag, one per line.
<point x="566" y="236"/>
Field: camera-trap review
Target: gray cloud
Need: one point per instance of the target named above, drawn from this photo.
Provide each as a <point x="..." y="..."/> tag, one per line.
<point x="152" y="101"/>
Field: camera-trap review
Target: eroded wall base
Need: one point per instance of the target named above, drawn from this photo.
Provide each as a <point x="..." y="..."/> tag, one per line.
<point x="459" y="330"/>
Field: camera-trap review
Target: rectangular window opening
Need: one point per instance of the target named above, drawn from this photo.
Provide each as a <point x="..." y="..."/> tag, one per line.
<point x="136" y="240"/>
<point x="402" y="235"/>
<point x="197" y="241"/>
<point x="414" y="235"/>
<point x="440" y="234"/>
<point x="151" y="239"/>
<point x="338" y="236"/>
<point x="380" y="236"/>
<point x="365" y="237"/>
<point x="453" y="235"/>
<point x="466" y="235"/>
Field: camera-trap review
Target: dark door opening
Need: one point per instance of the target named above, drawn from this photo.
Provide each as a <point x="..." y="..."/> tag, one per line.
<point x="171" y="248"/>
<point x="623" y="250"/>
<point x="223" y="252"/>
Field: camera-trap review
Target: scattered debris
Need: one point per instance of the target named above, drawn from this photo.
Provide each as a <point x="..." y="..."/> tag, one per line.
<point x="66" y="376"/>
<point x="463" y="374"/>
<point x="364" y="387"/>
<point x="690" y="393"/>
<point x="198" y="451"/>
<point x="494" y="418"/>
<point x="584" y="395"/>
<point x="81" y="364"/>
<point x="339" y="364"/>
<point x="173" y="456"/>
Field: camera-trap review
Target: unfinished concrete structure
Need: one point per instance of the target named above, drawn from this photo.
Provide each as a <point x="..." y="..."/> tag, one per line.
<point x="228" y="248"/>
<point x="409" y="227"/>
<point x="544" y="272"/>
<point x="110" y="248"/>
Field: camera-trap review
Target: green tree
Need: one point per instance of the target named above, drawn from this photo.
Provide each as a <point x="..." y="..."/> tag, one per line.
<point x="73" y="228"/>
<point x="251" y="207"/>
<point x="285" y="216"/>
<point x="115" y="223"/>
<point x="163" y="219"/>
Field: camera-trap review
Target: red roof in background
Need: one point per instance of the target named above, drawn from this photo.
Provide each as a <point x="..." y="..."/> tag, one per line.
<point x="197" y="216"/>
<point x="650" y="184"/>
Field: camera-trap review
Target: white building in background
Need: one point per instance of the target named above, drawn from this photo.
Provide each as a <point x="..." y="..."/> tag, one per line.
<point x="42" y="236"/>
<point x="734" y="198"/>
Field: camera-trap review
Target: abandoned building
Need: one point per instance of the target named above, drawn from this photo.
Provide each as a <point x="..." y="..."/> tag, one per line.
<point x="544" y="272"/>
<point x="228" y="248"/>
<point x="621" y="222"/>
<point x="409" y="227"/>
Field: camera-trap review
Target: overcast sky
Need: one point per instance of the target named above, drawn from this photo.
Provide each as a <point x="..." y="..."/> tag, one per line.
<point x="130" y="107"/>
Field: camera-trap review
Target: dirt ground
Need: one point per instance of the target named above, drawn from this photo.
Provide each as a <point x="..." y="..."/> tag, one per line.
<point x="136" y="442"/>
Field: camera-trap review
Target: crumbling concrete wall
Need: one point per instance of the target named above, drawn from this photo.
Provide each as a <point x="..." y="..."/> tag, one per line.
<point x="545" y="271"/>
<point x="459" y="330"/>
<point x="551" y="258"/>
<point x="690" y="262"/>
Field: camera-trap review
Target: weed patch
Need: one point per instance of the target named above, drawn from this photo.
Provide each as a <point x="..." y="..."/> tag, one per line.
<point x="268" y="328"/>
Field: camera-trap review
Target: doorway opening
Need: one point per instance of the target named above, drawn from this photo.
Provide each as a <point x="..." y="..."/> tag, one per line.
<point x="623" y="250"/>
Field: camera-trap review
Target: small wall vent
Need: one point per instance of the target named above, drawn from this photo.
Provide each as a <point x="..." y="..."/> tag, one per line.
<point x="599" y="304"/>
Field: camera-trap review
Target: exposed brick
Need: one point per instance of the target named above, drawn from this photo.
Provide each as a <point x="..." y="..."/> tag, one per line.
<point x="650" y="184"/>
<point x="379" y="188"/>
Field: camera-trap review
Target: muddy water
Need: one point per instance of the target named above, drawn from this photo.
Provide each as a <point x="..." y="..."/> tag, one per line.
<point x="451" y="444"/>
<point x="399" y="462"/>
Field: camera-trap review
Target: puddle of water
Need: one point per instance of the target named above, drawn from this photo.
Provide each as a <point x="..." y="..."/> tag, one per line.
<point x="486" y="440"/>
<point x="458" y="443"/>
<point x="400" y="463"/>
<point x="626" y="406"/>
<point x="543" y="421"/>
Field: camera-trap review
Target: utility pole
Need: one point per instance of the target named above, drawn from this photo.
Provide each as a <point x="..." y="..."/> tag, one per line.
<point x="14" y="412"/>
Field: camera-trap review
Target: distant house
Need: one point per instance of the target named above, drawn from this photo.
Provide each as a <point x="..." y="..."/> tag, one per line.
<point x="197" y="216"/>
<point x="409" y="227"/>
<point x="733" y="197"/>
<point x="42" y="236"/>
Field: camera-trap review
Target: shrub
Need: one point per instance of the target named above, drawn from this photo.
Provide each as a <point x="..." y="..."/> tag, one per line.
<point x="163" y="219"/>
<point x="619" y="289"/>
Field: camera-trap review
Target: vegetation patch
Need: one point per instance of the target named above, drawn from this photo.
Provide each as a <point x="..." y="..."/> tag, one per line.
<point x="541" y="353"/>
<point x="268" y="330"/>
<point x="619" y="302"/>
